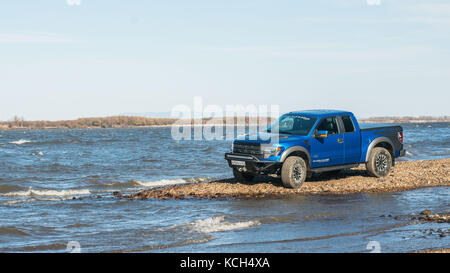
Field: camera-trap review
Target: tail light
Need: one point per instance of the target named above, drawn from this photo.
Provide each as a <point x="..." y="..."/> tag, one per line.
<point x="400" y="136"/>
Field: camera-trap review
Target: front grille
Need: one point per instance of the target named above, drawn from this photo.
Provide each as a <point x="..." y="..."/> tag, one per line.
<point x="247" y="148"/>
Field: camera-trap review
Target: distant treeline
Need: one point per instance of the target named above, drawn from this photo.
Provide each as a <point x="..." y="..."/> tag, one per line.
<point x="407" y="119"/>
<point x="136" y="121"/>
<point x="111" y="122"/>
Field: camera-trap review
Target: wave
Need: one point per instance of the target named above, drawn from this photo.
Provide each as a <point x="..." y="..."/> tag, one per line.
<point x="12" y="231"/>
<point x="164" y="246"/>
<point x="32" y="199"/>
<point x="31" y="192"/>
<point x="29" y="200"/>
<point x="55" y="246"/>
<point x="9" y="188"/>
<point x="131" y="185"/>
<point x="218" y="224"/>
<point x="159" y="183"/>
<point x="162" y="183"/>
<point x="150" y="160"/>
<point x="21" y="141"/>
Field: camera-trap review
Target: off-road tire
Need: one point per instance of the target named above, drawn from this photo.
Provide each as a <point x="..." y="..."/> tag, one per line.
<point x="380" y="162"/>
<point x="242" y="177"/>
<point x="294" y="172"/>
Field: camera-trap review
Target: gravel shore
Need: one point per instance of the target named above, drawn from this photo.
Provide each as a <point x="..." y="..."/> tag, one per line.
<point x="444" y="250"/>
<point x="405" y="175"/>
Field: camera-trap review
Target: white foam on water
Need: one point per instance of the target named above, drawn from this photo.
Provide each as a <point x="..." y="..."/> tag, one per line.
<point x="31" y="192"/>
<point x="21" y="141"/>
<point x="149" y="184"/>
<point x="218" y="224"/>
<point x="14" y="202"/>
<point x="162" y="183"/>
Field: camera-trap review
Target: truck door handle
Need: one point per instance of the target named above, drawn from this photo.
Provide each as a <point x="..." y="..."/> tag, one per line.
<point x="340" y="140"/>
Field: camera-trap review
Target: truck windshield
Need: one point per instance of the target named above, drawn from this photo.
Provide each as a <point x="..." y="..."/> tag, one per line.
<point x="293" y="125"/>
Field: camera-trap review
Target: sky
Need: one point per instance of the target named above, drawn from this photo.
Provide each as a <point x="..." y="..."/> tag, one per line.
<point x="65" y="59"/>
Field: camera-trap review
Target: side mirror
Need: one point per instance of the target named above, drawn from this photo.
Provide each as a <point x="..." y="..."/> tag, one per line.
<point x="322" y="134"/>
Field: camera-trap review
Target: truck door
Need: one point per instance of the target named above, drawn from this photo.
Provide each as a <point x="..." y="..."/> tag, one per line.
<point x="352" y="140"/>
<point x="327" y="151"/>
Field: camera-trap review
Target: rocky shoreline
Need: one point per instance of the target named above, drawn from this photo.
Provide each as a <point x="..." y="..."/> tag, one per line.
<point x="427" y="216"/>
<point x="406" y="175"/>
<point x="444" y="250"/>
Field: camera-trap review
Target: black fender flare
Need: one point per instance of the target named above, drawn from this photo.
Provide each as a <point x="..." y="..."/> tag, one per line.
<point x="295" y="149"/>
<point x="376" y="141"/>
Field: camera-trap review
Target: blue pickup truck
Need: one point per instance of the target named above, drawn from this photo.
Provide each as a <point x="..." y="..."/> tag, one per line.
<point x="315" y="141"/>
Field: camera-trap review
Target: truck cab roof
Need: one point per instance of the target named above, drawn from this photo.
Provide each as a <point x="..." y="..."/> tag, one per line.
<point x="320" y="113"/>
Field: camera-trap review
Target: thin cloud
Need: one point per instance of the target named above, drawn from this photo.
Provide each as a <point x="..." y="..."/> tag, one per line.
<point x="332" y="51"/>
<point x="35" y="38"/>
<point x="285" y="48"/>
<point x="433" y="9"/>
<point x="426" y="19"/>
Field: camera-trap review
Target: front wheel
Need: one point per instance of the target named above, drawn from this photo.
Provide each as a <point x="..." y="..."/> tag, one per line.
<point x="242" y="177"/>
<point x="294" y="172"/>
<point x="380" y="162"/>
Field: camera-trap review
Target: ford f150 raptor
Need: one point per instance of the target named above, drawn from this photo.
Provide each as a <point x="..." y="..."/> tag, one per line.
<point x="315" y="141"/>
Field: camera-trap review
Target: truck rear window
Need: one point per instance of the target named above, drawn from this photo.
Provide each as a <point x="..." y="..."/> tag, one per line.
<point x="348" y="124"/>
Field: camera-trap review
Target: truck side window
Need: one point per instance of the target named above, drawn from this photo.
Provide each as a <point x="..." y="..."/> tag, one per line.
<point x="348" y="124"/>
<point x="328" y="124"/>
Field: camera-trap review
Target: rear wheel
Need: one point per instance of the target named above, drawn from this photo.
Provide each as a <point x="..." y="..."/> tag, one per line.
<point x="380" y="162"/>
<point x="293" y="172"/>
<point x="242" y="177"/>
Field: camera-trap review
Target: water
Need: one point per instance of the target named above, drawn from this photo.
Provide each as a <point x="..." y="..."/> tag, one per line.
<point x="41" y="171"/>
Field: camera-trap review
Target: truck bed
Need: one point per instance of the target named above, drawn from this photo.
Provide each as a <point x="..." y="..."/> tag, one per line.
<point x="371" y="131"/>
<point x="376" y="126"/>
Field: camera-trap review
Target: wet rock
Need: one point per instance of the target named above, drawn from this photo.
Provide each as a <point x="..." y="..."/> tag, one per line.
<point x="425" y="212"/>
<point x="117" y="194"/>
<point x="437" y="218"/>
<point x="397" y="218"/>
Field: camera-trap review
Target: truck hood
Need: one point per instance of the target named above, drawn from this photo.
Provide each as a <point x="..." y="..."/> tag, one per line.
<point x="264" y="137"/>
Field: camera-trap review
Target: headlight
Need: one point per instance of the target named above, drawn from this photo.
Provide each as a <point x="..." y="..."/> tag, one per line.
<point x="232" y="146"/>
<point x="274" y="150"/>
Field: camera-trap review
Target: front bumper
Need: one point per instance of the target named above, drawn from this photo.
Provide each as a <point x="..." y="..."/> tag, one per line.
<point x="251" y="164"/>
<point x="246" y="158"/>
